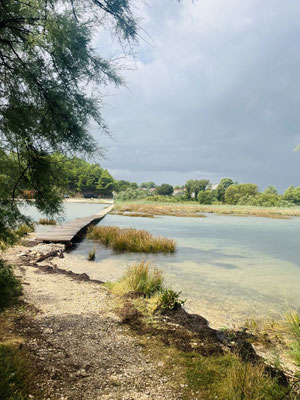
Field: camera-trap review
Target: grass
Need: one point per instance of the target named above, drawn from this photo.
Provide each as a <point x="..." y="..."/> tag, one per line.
<point x="14" y="373"/>
<point x="92" y="254"/>
<point x="141" y="279"/>
<point x="10" y="286"/>
<point x="129" y="239"/>
<point x="293" y="320"/>
<point x="194" y="209"/>
<point x="47" y="221"/>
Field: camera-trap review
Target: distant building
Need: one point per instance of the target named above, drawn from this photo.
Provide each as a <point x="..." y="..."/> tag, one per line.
<point x="177" y="191"/>
<point x="214" y="187"/>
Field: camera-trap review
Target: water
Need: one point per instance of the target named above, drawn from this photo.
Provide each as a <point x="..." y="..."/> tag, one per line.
<point x="229" y="268"/>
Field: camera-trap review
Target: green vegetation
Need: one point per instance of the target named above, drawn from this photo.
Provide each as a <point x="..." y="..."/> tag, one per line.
<point x="14" y="373"/>
<point x="202" y="368"/>
<point x="141" y="279"/>
<point x="48" y="49"/>
<point x="10" y="286"/>
<point x="129" y="239"/>
<point x="293" y="319"/>
<point x="92" y="254"/>
<point x="170" y="300"/>
<point x="47" y="221"/>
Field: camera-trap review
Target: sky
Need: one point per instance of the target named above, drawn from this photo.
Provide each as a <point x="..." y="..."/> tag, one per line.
<point x="214" y="92"/>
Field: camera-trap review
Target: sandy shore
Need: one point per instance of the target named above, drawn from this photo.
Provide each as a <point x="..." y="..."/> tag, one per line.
<point x="90" y="201"/>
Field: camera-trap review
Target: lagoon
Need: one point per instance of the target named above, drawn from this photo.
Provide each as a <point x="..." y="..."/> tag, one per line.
<point x="229" y="268"/>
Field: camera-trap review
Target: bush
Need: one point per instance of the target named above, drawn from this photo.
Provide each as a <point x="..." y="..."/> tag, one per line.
<point x="131" y="194"/>
<point x="10" y="286"/>
<point x="129" y="239"/>
<point x="170" y="300"/>
<point x="142" y="279"/>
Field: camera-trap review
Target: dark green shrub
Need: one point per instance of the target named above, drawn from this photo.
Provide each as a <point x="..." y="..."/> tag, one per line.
<point x="10" y="286"/>
<point x="170" y="300"/>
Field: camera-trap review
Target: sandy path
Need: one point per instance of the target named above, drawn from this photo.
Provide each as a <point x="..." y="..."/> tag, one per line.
<point x="81" y="348"/>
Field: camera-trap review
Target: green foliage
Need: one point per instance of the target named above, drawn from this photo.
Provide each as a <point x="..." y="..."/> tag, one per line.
<point x="50" y="76"/>
<point x="131" y="194"/>
<point x="163" y="199"/>
<point x="221" y="189"/>
<point x="121" y="186"/>
<point x="105" y="184"/>
<point x="193" y="187"/>
<point x="271" y="190"/>
<point x="92" y="254"/>
<point x="14" y="374"/>
<point x="292" y="195"/>
<point x="170" y="300"/>
<point x="142" y="279"/>
<point x="234" y="193"/>
<point x="227" y="377"/>
<point x="206" y="197"/>
<point x="293" y="320"/>
<point x="10" y="287"/>
<point x="164" y="190"/>
<point x="148" y="185"/>
<point x="129" y="239"/>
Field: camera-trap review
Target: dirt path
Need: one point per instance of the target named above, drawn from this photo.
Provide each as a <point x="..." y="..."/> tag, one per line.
<point x="81" y="348"/>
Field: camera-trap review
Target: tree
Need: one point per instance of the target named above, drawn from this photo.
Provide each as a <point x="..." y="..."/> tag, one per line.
<point x="271" y="190"/>
<point x="121" y="186"/>
<point x="193" y="187"/>
<point x="148" y="185"/>
<point x="221" y="189"/>
<point x="234" y="193"/>
<point x="105" y="184"/>
<point x="292" y="194"/>
<point x="165" y="189"/>
<point x="48" y="70"/>
<point x="206" y="196"/>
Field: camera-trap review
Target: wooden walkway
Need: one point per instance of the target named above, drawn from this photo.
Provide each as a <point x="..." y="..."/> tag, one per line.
<point x="69" y="231"/>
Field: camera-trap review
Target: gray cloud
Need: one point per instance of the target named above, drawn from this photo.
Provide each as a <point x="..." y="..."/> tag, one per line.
<point x="216" y="95"/>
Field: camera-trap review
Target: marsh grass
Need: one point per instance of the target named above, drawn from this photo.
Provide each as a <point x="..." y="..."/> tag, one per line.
<point x="10" y="286"/>
<point x="142" y="279"/>
<point x="129" y="239"/>
<point x="193" y="209"/>
<point x="47" y="221"/>
<point x="92" y="254"/>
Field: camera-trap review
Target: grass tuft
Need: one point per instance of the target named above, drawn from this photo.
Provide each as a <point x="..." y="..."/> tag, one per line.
<point x="141" y="279"/>
<point x="47" y="221"/>
<point x="129" y="239"/>
<point x="92" y="254"/>
<point x="10" y="286"/>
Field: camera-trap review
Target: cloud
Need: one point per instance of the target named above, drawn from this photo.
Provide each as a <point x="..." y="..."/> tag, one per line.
<point x="216" y="95"/>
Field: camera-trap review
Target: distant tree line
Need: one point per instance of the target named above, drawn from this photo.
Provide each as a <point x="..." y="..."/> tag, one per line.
<point x="202" y="191"/>
<point x="73" y="175"/>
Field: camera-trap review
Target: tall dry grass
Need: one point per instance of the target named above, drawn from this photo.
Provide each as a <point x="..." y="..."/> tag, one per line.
<point x="129" y="239"/>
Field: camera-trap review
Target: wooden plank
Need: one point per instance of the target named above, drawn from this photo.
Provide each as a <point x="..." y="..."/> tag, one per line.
<point x="67" y="232"/>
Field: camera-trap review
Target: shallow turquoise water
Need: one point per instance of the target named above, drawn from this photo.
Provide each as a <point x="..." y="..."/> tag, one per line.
<point x="229" y="268"/>
<point x="237" y="267"/>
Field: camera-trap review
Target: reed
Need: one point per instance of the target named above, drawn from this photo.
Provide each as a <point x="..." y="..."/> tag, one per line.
<point x="129" y="239"/>
<point x="47" y="221"/>
<point x="92" y="254"/>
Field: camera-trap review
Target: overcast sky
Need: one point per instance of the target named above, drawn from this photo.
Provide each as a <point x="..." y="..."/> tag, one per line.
<point x="215" y="93"/>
